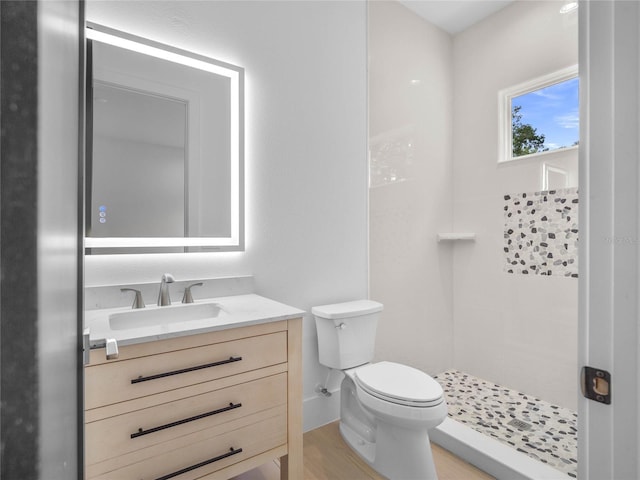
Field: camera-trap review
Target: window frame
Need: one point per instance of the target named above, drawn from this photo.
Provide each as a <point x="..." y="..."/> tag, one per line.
<point x="505" y="127"/>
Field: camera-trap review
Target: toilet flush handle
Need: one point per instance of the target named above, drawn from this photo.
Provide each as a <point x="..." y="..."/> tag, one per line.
<point x="341" y="326"/>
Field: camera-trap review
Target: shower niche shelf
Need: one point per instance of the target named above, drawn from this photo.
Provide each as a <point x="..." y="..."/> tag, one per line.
<point x="455" y="237"/>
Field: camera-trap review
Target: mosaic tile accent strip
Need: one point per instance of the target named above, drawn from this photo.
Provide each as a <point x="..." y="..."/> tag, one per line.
<point x="545" y="432"/>
<point x="541" y="233"/>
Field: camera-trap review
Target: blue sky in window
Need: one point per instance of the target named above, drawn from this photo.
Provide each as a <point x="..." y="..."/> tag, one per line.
<point x="553" y="111"/>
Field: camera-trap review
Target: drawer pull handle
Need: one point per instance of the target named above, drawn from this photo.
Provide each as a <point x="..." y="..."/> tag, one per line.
<point x="185" y="370"/>
<point x="142" y="432"/>
<point x="232" y="451"/>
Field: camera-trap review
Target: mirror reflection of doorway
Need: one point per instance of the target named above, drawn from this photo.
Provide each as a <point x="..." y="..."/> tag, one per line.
<point x="138" y="166"/>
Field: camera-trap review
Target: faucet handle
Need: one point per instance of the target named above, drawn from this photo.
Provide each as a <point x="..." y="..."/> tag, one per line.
<point x="168" y="278"/>
<point x="138" y="302"/>
<point x="187" y="297"/>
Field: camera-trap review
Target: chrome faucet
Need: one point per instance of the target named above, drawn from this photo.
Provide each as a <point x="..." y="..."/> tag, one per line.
<point x="163" y="295"/>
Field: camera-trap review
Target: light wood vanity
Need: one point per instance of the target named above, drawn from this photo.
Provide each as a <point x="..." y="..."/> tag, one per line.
<point x="204" y="406"/>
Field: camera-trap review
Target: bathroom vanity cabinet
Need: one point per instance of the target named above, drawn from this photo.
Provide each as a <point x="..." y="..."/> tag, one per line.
<point x="210" y="406"/>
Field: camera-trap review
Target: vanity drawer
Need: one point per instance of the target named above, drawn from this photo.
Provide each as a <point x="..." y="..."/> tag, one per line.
<point x="140" y="429"/>
<point x="119" y="381"/>
<point x="205" y="452"/>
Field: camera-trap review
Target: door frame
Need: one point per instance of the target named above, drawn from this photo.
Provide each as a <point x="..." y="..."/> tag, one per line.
<point x="608" y="444"/>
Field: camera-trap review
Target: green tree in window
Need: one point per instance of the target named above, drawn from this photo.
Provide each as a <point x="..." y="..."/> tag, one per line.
<point x="525" y="137"/>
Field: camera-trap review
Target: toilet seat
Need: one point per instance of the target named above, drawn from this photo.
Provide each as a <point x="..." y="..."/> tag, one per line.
<point x="399" y="384"/>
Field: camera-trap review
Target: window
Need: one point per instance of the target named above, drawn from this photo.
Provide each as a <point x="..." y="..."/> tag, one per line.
<point x="539" y="116"/>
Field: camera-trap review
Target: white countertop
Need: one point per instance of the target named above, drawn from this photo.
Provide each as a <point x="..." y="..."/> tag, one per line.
<point x="235" y="311"/>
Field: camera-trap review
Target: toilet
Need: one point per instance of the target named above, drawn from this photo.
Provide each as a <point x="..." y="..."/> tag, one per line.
<point x="386" y="409"/>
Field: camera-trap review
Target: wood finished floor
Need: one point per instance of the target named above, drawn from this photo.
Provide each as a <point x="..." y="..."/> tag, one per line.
<point x="327" y="457"/>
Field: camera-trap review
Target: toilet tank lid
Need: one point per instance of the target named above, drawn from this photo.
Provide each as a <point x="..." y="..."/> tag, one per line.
<point x="347" y="309"/>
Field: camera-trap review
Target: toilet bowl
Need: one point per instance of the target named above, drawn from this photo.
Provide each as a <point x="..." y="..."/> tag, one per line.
<point x="386" y="408"/>
<point x="400" y="393"/>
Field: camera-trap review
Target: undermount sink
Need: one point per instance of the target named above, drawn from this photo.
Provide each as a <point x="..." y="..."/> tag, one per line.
<point x="170" y="314"/>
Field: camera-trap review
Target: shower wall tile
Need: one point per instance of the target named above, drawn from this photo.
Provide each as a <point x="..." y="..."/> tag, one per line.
<point x="541" y="233"/>
<point x="498" y="317"/>
<point x="410" y="199"/>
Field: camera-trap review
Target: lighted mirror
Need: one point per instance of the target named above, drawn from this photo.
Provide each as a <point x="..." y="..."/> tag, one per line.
<point x="539" y="116"/>
<point x="164" y="168"/>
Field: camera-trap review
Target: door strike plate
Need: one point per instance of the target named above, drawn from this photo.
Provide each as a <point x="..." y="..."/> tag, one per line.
<point x="596" y="384"/>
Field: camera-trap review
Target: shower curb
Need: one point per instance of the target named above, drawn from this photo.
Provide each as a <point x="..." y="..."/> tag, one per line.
<point x="490" y="455"/>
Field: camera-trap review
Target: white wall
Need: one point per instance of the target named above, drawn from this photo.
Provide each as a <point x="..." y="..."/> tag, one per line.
<point x="306" y="152"/>
<point x="410" y="199"/>
<point x="516" y="330"/>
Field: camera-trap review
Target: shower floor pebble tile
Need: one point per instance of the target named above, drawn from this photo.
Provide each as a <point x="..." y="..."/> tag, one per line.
<point x="549" y="433"/>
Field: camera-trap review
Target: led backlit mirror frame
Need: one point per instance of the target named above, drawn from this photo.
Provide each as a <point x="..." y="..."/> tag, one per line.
<point x="235" y="241"/>
<point x="505" y="145"/>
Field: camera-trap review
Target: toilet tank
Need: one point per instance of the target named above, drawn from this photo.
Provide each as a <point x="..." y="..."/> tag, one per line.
<point x="346" y="332"/>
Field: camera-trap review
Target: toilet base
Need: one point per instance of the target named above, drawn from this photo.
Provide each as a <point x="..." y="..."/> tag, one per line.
<point x="365" y="449"/>
<point x="398" y="453"/>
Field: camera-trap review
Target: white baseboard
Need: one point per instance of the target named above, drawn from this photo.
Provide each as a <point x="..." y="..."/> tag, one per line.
<point x="320" y="410"/>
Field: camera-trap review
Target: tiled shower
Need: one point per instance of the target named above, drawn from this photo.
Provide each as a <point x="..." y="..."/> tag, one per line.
<point x="492" y="313"/>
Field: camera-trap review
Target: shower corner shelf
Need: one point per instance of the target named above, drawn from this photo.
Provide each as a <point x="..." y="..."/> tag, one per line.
<point x="454" y="237"/>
